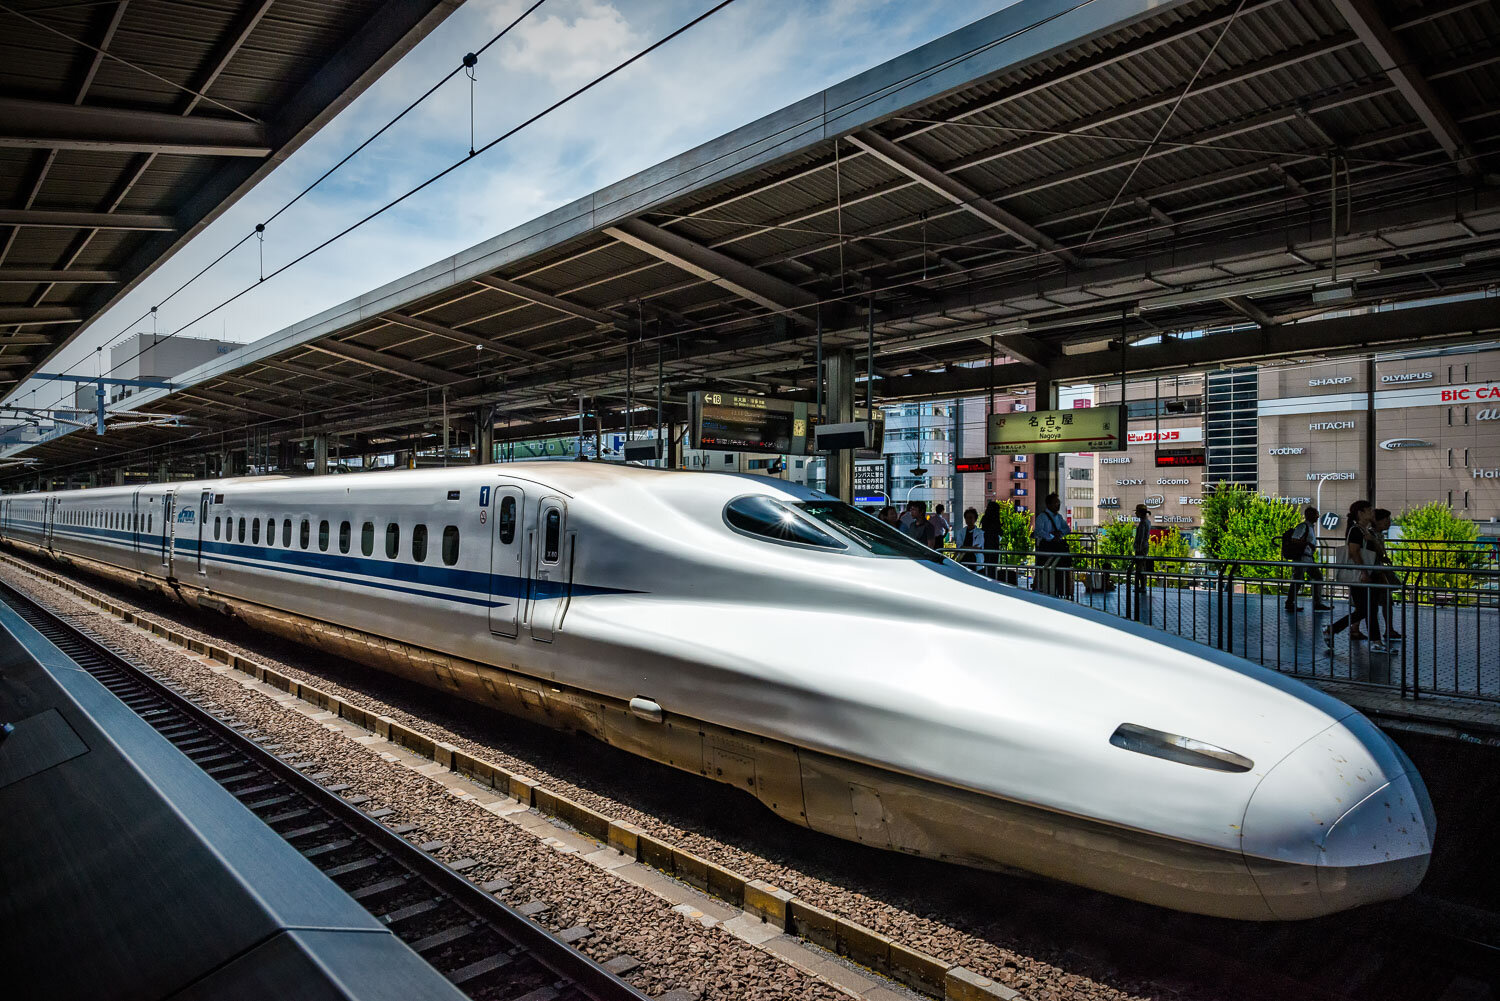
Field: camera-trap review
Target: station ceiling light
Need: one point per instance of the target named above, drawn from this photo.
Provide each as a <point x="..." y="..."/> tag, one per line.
<point x="1280" y="283"/>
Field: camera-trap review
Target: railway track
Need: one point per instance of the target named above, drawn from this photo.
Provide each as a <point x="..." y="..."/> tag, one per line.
<point x="486" y="949"/>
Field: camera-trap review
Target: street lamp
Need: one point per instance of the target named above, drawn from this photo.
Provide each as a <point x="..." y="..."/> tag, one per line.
<point x="1321" y="480"/>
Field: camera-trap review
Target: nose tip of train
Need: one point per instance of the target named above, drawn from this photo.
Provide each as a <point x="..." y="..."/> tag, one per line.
<point x="1344" y="820"/>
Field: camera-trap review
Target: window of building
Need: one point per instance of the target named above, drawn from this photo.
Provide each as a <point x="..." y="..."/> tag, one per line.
<point x="552" y="536"/>
<point x="450" y="545"/>
<point x="729" y="458"/>
<point x="323" y="536"/>
<point x="286" y="532"/>
<point x="507" y="520"/>
<point x="242" y="528"/>
<point x="392" y="540"/>
<point x="304" y="534"/>
<point x="345" y="534"/>
<point x="367" y="538"/>
<point x="255" y="531"/>
<point x="419" y="543"/>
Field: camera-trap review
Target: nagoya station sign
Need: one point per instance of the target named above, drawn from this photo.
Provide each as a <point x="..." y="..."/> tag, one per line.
<point x="1089" y="429"/>
<point x="743" y="422"/>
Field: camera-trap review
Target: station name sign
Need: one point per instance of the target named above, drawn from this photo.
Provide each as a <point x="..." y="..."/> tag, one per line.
<point x="1088" y="429"/>
<point x="743" y="422"/>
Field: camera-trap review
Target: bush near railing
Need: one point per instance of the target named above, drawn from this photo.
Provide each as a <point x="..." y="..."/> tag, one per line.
<point x="1252" y="537"/>
<point x="1440" y="547"/>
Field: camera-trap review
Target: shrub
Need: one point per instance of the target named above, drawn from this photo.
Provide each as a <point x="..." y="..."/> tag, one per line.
<point x="1253" y="532"/>
<point x="1116" y="539"/>
<point x="1438" y="543"/>
<point x="1216" y="511"/>
<point x="1168" y="550"/>
<point x="1015" y="532"/>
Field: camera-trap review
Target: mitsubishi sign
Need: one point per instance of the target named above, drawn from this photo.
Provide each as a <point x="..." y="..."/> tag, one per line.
<point x="1391" y="444"/>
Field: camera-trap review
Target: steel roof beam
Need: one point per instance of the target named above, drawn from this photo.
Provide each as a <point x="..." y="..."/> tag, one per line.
<point x="717" y="268"/>
<point x="1396" y="63"/>
<point x="31" y="315"/>
<point x="464" y="337"/>
<point x="58" y="276"/>
<point x="1249" y="310"/>
<point x="52" y="219"/>
<point x="241" y="403"/>
<point x="53" y="125"/>
<point x="595" y="316"/>
<point x="292" y="368"/>
<point x="383" y="362"/>
<point x="959" y="193"/>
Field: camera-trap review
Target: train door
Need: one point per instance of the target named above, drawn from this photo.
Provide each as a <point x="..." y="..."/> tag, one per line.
<point x="168" y="524"/>
<point x="551" y="569"/>
<point x="49" y="521"/>
<point x="507" y="575"/>
<point x="137" y="524"/>
<point x="204" y="500"/>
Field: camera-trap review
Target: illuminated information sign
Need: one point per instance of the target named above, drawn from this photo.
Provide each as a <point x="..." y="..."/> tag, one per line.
<point x="743" y="422"/>
<point x="1180" y="457"/>
<point x="1090" y="429"/>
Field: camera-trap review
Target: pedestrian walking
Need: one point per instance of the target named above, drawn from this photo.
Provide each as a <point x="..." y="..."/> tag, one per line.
<point x="1141" y="545"/>
<point x="989" y="527"/>
<point x="1384" y="582"/>
<point x="889" y="515"/>
<point x="1052" y="554"/>
<point x="1300" y="545"/>
<point x="1357" y="551"/>
<point x="921" y="527"/>
<point x="970" y="538"/>
<point x="940" y="525"/>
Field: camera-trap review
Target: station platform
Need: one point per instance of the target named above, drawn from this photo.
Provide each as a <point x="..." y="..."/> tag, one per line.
<point x="130" y="873"/>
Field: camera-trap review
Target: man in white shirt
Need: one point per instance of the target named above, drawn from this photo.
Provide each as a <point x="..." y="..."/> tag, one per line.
<point x="1051" y="531"/>
<point x="1303" y="543"/>
<point x="940" y="525"/>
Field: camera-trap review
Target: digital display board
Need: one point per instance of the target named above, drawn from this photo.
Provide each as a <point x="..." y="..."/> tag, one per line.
<point x="1181" y="457"/>
<point x="743" y="422"/>
<point x="1088" y="429"/>
<point x="977" y="464"/>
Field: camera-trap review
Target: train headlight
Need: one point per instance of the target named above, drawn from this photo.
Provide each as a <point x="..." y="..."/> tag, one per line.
<point x="1175" y="747"/>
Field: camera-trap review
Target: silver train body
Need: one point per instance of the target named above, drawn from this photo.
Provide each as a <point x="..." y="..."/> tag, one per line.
<point x="761" y="634"/>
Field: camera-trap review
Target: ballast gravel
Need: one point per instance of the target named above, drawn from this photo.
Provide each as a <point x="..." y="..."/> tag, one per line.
<point x="676" y="954"/>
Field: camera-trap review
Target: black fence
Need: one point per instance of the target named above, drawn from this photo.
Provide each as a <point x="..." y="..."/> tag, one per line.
<point x="1427" y="628"/>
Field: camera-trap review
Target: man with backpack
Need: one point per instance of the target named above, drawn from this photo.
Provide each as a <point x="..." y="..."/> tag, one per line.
<point x="1300" y="545"/>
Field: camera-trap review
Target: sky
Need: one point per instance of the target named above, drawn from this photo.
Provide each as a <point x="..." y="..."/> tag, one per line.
<point x="752" y="58"/>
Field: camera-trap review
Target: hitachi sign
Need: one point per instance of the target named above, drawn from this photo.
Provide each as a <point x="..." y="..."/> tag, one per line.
<point x="1331" y="426"/>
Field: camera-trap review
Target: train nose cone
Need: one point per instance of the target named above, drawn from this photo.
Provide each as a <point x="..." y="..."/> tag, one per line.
<point x="1343" y="820"/>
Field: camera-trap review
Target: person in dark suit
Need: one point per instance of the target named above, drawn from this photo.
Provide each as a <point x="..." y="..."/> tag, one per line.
<point x="970" y="538"/>
<point x="1142" y="546"/>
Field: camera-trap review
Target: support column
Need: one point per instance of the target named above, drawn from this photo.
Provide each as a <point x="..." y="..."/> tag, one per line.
<point x="484" y="439"/>
<point x="320" y="455"/>
<point x="1370" y="438"/>
<point x="120" y="476"/>
<point x="839" y="369"/>
<point x="1044" y="467"/>
<point x="162" y="473"/>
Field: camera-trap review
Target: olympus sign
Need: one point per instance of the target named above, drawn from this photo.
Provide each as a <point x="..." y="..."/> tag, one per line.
<point x="1330" y="476"/>
<point x="1332" y="380"/>
<point x="1391" y="444"/>
<point x="1112" y="459"/>
<point x="1169" y="481"/>
<point x="1407" y="377"/>
<point x="1130" y="482"/>
<point x="1331" y="426"/>
<point x="1286" y="451"/>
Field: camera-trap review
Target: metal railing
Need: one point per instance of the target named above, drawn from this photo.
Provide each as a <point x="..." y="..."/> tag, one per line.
<point x="1432" y="630"/>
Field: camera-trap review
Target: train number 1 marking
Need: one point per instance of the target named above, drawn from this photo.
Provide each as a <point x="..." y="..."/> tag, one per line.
<point x="484" y="496"/>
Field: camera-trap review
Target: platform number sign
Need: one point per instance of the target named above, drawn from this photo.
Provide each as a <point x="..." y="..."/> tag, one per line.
<point x="484" y="496"/>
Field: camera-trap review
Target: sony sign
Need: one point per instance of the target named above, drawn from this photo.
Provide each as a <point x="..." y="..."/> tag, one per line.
<point x="1286" y="451"/>
<point x="1407" y="377"/>
<point x="1391" y="444"/>
<point x="1333" y="380"/>
<point x="1331" y="426"/>
<point x="1138" y="481"/>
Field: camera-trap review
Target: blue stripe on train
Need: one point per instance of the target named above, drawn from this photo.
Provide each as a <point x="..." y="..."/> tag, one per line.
<point x="304" y="563"/>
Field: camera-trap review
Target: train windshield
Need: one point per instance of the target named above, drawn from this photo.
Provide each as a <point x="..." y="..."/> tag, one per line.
<point x="868" y="531"/>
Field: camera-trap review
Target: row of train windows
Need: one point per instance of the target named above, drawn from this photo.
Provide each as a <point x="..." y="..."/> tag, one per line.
<point x="126" y="521"/>
<point x="236" y="532"/>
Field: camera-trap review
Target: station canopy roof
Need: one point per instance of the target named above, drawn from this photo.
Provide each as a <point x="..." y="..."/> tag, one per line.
<point x="127" y="126"/>
<point x="1073" y="187"/>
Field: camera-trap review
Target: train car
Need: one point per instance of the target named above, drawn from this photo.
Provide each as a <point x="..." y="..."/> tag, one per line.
<point x="770" y="637"/>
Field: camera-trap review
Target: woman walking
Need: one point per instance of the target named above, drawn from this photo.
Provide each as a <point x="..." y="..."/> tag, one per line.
<point x="1358" y="549"/>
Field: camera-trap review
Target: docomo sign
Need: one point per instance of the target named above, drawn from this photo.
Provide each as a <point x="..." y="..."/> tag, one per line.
<point x="1169" y="434"/>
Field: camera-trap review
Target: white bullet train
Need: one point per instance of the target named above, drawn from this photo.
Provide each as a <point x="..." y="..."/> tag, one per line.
<point x="768" y="636"/>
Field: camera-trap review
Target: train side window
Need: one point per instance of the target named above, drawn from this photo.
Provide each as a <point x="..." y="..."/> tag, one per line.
<point x="392" y="540"/>
<point x="552" y="536"/>
<point x="507" y="520"/>
<point x="242" y="528"/>
<point x="323" y="536"/>
<point x="218" y="523"/>
<point x="450" y="545"/>
<point x="304" y="535"/>
<point x="367" y="538"/>
<point x="419" y="543"/>
<point x="286" y="533"/>
<point x="148" y="522"/>
<point x="255" y="531"/>
<point x="344" y="536"/>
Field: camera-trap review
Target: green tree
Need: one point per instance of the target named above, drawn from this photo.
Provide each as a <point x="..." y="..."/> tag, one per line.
<point x="1116" y="539"/>
<point x="1168" y="550"/>
<point x="1253" y="532"/>
<point x="1216" y="511"/>
<point x="1015" y="530"/>
<point x="1438" y="544"/>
